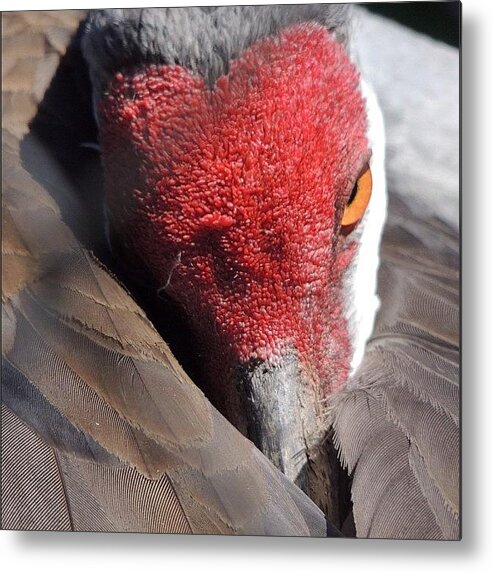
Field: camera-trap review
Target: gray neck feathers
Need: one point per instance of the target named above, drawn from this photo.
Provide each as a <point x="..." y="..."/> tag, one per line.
<point x="203" y="40"/>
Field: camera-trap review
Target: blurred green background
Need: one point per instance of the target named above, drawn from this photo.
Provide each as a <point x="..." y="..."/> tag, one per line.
<point x="440" y="20"/>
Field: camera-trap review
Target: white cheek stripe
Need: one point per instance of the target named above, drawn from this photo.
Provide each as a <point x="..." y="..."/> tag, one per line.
<point x="362" y="301"/>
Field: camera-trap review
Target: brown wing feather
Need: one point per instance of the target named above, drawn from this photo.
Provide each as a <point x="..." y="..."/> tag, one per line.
<point x="32" y="44"/>
<point x="32" y="486"/>
<point x="104" y="429"/>
<point x="397" y="424"/>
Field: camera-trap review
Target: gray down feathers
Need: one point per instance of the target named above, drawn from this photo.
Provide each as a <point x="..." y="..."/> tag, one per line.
<point x="204" y="40"/>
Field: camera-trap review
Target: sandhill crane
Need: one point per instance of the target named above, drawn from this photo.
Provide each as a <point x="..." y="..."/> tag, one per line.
<point x="243" y="164"/>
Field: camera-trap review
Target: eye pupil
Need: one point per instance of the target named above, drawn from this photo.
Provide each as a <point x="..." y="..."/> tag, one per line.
<point x="353" y="194"/>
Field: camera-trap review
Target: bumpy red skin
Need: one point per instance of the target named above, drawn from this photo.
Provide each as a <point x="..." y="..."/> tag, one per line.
<point x="232" y="196"/>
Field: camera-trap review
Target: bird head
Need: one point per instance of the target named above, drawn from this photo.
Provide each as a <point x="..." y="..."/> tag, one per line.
<point x="244" y="199"/>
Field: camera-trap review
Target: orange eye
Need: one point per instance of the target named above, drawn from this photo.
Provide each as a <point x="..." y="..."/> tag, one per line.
<point x="358" y="201"/>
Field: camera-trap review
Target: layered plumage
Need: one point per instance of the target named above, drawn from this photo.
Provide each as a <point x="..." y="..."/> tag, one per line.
<point x="104" y="410"/>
